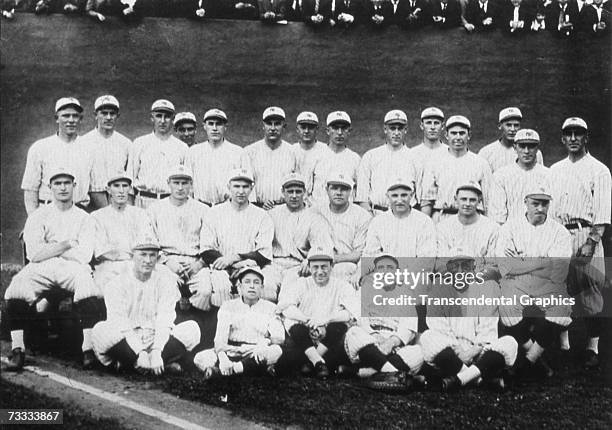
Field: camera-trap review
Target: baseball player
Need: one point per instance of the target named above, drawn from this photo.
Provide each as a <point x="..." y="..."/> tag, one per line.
<point x="514" y="179"/>
<point x="431" y="148"/>
<point x="315" y="313"/>
<point x="108" y="147"/>
<point x="63" y="148"/>
<point x="154" y="154"/>
<point x="139" y="331"/>
<point x="442" y="176"/>
<point x="309" y="151"/>
<point x="236" y="234"/>
<point x="178" y="223"/>
<point x="582" y="189"/>
<point x="249" y="332"/>
<point x="502" y="152"/>
<point x="117" y="227"/>
<point x="271" y="159"/>
<point x="211" y="160"/>
<point x="296" y="230"/>
<point x="339" y="159"/>
<point x="462" y="342"/>
<point x="59" y="243"/>
<point x="537" y="250"/>
<point x="185" y="127"/>
<point x="380" y="164"/>
<point x="349" y="225"/>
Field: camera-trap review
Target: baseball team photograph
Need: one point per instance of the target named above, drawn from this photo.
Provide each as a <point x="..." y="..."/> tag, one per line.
<point x="334" y="214"/>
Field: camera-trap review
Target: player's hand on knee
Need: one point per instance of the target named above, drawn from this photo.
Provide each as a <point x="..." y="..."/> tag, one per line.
<point x="143" y="362"/>
<point x="225" y="366"/>
<point x="157" y="362"/>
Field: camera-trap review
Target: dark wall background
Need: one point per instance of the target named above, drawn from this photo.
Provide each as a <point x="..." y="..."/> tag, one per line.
<point x="242" y="67"/>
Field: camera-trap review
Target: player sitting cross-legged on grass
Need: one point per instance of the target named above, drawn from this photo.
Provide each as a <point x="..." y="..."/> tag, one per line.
<point x="249" y="332"/>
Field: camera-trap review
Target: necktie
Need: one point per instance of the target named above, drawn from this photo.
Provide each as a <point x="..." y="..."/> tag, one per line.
<point x="515" y="17"/>
<point x="443" y="7"/>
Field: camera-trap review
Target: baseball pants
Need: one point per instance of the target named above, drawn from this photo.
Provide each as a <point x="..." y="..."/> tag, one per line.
<point x="262" y="357"/>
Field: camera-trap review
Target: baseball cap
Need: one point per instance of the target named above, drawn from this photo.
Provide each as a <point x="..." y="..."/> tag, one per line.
<point x="401" y="182"/>
<point x="526" y="135"/>
<point x="307" y="117"/>
<point x="574" y="122"/>
<point x="432" y="112"/>
<point x="472" y="186"/>
<point x="241" y="174"/>
<point x="180" y="172"/>
<point x="67" y="101"/>
<point x="338" y="116"/>
<point x="273" y="111"/>
<point x="385" y="255"/>
<point x="320" y="253"/>
<point x="106" y="100"/>
<point x="162" y="105"/>
<point x="146" y="244"/>
<point x="396" y="117"/>
<point x="340" y="179"/>
<point x="510" y="112"/>
<point x="539" y="192"/>
<point x="60" y="171"/>
<point x="249" y="269"/>
<point x="215" y="113"/>
<point x="458" y="120"/>
<point x="184" y="116"/>
<point x="117" y="176"/>
<point x="293" y="179"/>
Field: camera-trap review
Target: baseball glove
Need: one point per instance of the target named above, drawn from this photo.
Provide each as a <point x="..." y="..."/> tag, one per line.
<point x="395" y="382"/>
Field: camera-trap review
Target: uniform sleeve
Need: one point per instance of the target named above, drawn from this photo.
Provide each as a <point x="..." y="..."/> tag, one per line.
<point x="101" y="245"/>
<point x="264" y="237"/>
<point x="86" y="240"/>
<point x="133" y="166"/>
<point x="349" y="299"/>
<point x="602" y="196"/>
<point x="498" y="201"/>
<point x="320" y="233"/>
<point x="364" y="187"/>
<point x="363" y="221"/>
<point x="427" y="239"/>
<point x="116" y="299"/>
<point x="291" y="295"/>
<point x="32" y="176"/>
<point x="34" y="234"/>
<point x="373" y="245"/>
<point x="276" y="330"/>
<point x="429" y="184"/>
<point x="488" y="185"/>
<point x="224" y="321"/>
<point x="166" y="314"/>
<point x="208" y="236"/>
<point x="407" y="329"/>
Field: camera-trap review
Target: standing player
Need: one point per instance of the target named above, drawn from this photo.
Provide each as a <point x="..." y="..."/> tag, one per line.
<point x="458" y="166"/>
<point x="380" y="164"/>
<point x="59" y="243"/>
<point x="210" y="161"/>
<point x="153" y="156"/>
<point x="309" y="151"/>
<point x="64" y="148"/>
<point x="583" y="192"/>
<point x="271" y="159"/>
<point x="107" y="147"/>
<point x="514" y="179"/>
<point x="185" y="126"/>
<point x="502" y="152"/>
<point x="339" y="159"/>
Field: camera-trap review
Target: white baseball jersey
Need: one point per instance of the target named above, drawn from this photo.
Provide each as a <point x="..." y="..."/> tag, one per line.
<point x="47" y="154"/>
<point x="110" y="155"/>
<point x="152" y="158"/>
<point x="512" y="183"/>
<point x="270" y="166"/>
<point x="410" y="236"/>
<point x="421" y="155"/>
<point x="308" y="159"/>
<point x="477" y="239"/>
<point x="178" y="228"/>
<point x="348" y="229"/>
<point x="345" y="161"/>
<point x="296" y="232"/>
<point x="443" y="175"/>
<point x="581" y="190"/>
<point x="404" y="328"/>
<point x="498" y="155"/>
<point x="377" y="168"/>
<point x="232" y="231"/>
<point x="210" y="165"/>
<point x="241" y="323"/>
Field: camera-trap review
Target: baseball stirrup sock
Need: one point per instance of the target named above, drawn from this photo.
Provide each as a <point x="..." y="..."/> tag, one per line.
<point x="371" y="356"/>
<point x="87" y="345"/>
<point x="448" y="362"/>
<point x="593" y="344"/>
<point x="17" y="339"/>
<point x="468" y="374"/>
<point x="534" y="352"/>
<point x="564" y="340"/>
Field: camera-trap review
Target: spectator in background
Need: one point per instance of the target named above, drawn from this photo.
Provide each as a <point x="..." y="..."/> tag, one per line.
<point x="272" y="11"/>
<point x="596" y="18"/>
<point x="197" y="9"/>
<point x="312" y="12"/>
<point x="562" y="18"/>
<point x="445" y="13"/>
<point x="419" y="14"/>
<point x="8" y="8"/>
<point x="479" y="15"/>
<point x="239" y="9"/>
<point x="100" y="9"/>
<point x="347" y="12"/>
<point x="516" y="17"/>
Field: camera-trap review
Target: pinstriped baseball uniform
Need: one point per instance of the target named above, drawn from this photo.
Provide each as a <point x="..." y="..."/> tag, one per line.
<point x="582" y="191"/>
<point x="377" y="167"/>
<point x="477" y="239"/>
<point x="110" y="155"/>
<point x="143" y="314"/>
<point x="498" y="155"/>
<point x="210" y="165"/>
<point x="47" y="154"/>
<point x="345" y="161"/>
<point x="421" y="155"/>
<point x="513" y="182"/>
<point x="308" y="159"/>
<point x="270" y="166"/>
<point x="442" y="177"/>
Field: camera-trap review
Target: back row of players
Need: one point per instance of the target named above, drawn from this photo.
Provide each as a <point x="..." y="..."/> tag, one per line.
<point x="284" y="242"/>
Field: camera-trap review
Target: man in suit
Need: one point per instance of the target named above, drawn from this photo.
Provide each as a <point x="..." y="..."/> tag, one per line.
<point x="445" y="13"/>
<point x="479" y="15"/>
<point x="595" y="18"/>
<point x="312" y="12"/>
<point x="562" y="18"/>
<point x="347" y="12"/>
<point x="516" y="17"/>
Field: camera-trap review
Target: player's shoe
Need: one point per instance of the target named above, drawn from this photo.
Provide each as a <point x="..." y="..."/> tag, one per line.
<point x="346" y="371"/>
<point x="17" y="360"/>
<point x="321" y="370"/>
<point x="210" y="373"/>
<point x="496" y="384"/>
<point x="173" y="368"/>
<point x="89" y="360"/>
<point x="450" y="384"/>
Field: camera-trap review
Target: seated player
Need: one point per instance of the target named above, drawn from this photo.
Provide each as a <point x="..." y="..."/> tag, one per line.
<point x="249" y="332"/>
<point x="139" y="331"/>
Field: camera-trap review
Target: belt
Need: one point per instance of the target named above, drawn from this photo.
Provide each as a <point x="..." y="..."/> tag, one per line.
<point x="46" y="202"/>
<point x="378" y="327"/>
<point x="260" y="205"/>
<point x="451" y="211"/>
<point x="578" y="224"/>
<point x="210" y="205"/>
<point x="150" y="194"/>
<point x="380" y="208"/>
